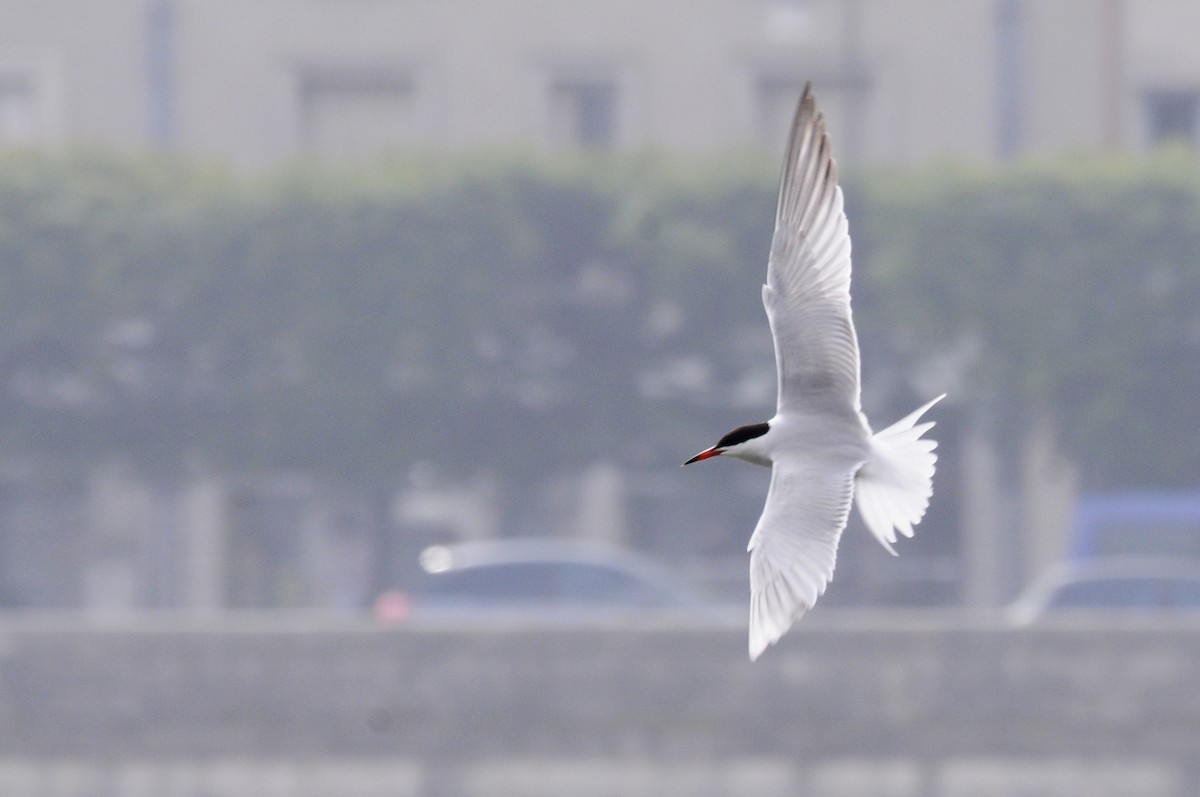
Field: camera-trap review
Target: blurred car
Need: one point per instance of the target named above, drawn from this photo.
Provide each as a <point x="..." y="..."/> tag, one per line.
<point x="1142" y="524"/>
<point x="548" y="579"/>
<point x="1116" y="584"/>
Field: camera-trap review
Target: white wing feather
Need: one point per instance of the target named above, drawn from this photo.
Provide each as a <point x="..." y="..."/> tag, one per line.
<point x="807" y="295"/>
<point x="794" y="546"/>
<point x="821" y="446"/>
<point x="807" y="299"/>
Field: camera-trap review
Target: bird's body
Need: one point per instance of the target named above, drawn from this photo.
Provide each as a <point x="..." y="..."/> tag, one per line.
<point x="819" y="445"/>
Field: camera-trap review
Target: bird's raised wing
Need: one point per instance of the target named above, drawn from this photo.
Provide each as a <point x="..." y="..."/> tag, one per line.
<point x="794" y="546"/>
<point x="807" y="295"/>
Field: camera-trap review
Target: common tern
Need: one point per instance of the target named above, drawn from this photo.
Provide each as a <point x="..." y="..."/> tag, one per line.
<point x="820" y="448"/>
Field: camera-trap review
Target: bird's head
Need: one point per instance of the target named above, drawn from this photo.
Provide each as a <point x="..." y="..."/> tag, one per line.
<point x="744" y="442"/>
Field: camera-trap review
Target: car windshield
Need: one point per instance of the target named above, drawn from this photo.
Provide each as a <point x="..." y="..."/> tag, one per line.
<point x="1117" y="593"/>
<point x="545" y="584"/>
<point x="518" y="583"/>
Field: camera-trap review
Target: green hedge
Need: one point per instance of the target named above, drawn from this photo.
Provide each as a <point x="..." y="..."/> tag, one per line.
<point x="527" y="317"/>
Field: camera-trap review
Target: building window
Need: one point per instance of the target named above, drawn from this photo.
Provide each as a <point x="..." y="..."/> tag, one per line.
<point x="346" y="114"/>
<point x="19" y="122"/>
<point x="1172" y="116"/>
<point x="583" y="113"/>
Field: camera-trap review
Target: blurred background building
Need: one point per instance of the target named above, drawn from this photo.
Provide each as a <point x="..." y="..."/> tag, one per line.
<point x="902" y="82"/>
<point x="262" y="83"/>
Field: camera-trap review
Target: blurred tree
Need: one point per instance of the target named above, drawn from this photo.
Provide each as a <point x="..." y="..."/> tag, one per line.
<point x="90" y="248"/>
<point x="529" y="319"/>
<point x="1066" y="290"/>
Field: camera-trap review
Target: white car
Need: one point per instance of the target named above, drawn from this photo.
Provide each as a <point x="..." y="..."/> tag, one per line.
<point x="543" y="579"/>
<point x="1116" y="584"/>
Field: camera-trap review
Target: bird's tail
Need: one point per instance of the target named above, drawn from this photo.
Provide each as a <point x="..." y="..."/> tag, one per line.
<point x="892" y="489"/>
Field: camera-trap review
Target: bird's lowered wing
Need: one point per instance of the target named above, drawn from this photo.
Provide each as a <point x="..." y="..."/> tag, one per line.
<point x="794" y="546"/>
<point x="807" y="295"/>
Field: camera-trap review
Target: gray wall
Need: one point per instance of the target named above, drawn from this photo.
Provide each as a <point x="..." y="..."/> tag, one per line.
<point x="848" y="705"/>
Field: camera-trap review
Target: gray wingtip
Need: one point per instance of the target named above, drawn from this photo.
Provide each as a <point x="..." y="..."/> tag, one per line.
<point x="808" y="142"/>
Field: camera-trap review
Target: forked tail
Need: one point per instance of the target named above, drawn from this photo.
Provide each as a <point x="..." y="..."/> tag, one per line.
<point x="892" y="490"/>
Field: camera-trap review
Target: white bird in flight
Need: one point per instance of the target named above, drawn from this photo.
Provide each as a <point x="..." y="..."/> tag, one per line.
<point x="819" y="446"/>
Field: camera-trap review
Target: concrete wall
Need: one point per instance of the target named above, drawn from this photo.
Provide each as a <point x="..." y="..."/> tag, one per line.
<point x="848" y="705"/>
